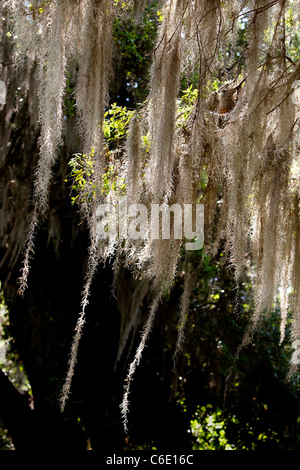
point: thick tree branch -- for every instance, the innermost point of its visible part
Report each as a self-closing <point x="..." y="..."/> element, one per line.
<point x="16" y="414"/>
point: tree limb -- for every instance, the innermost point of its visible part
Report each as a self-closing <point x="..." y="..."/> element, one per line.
<point x="16" y="414"/>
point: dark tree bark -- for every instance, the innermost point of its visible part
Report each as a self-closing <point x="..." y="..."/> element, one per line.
<point x="31" y="430"/>
<point x="16" y="414"/>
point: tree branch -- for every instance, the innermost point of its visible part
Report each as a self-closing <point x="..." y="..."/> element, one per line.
<point x="16" y="414"/>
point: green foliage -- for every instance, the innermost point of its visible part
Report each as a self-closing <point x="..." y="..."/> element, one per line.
<point x="215" y="430"/>
<point x="115" y="130"/>
<point x="209" y="429"/>
<point x="135" y="42"/>
<point x="111" y="181"/>
<point x="292" y="36"/>
<point x="82" y="168"/>
<point x="10" y="362"/>
<point x="185" y="105"/>
<point x="37" y="8"/>
<point x="252" y="416"/>
<point x="11" y="365"/>
<point x="5" y="440"/>
<point x="115" y="126"/>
